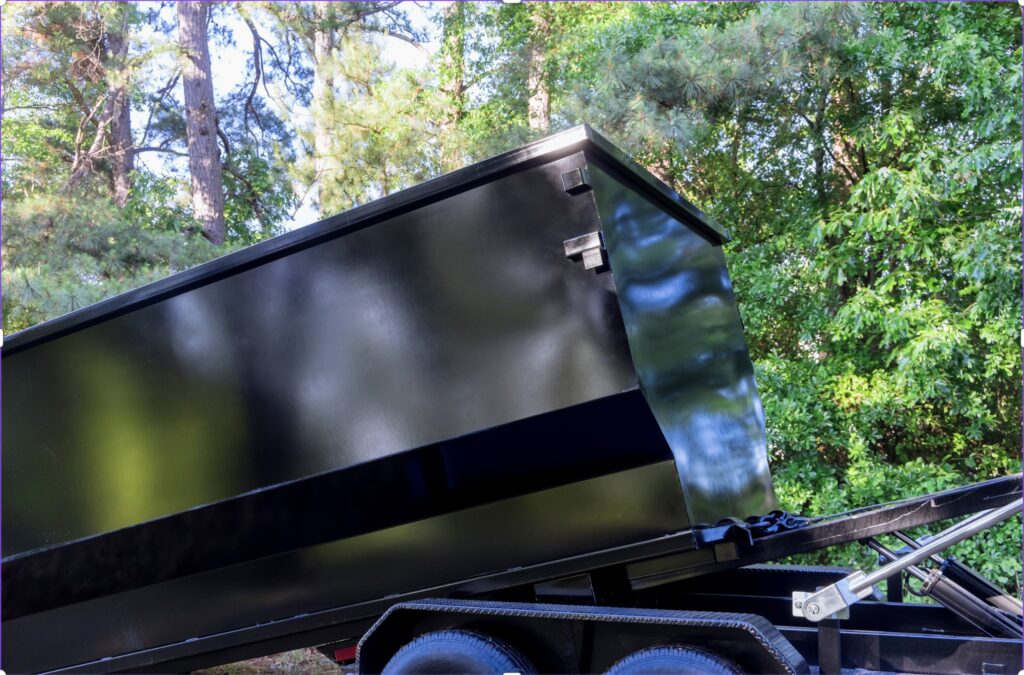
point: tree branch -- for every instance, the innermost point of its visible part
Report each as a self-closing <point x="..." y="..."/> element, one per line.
<point x="159" y="101"/>
<point x="285" y="69"/>
<point x="389" y="32"/>
<point x="167" y="151"/>
<point x="842" y="165"/>
<point x="223" y="139"/>
<point x="257" y="64"/>
<point x="76" y="94"/>
<point x="80" y="160"/>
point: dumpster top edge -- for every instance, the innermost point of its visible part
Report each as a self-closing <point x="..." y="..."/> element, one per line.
<point x="579" y="138"/>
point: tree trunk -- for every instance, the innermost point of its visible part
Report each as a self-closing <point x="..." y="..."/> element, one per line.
<point x="201" y="120"/>
<point x="453" y="82"/>
<point x="113" y="135"/>
<point x="83" y="163"/>
<point x="122" y="152"/>
<point x="324" y="41"/>
<point x="820" y="139"/>
<point x="539" y="103"/>
<point x="850" y="157"/>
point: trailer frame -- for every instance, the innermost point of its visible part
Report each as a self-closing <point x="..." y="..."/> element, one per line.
<point x="652" y="571"/>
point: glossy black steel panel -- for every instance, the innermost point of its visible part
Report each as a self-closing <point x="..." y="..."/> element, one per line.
<point x="579" y="442"/>
<point x="690" y="354"/>
<point x="461" y="315"/>
<point x="604" y="512"/>
<point x="325" y="626"/>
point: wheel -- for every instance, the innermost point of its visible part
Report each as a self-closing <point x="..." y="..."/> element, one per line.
<point x="673" y="659"/>
<point x="447" y="652"/>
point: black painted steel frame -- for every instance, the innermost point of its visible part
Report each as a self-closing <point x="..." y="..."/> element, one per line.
<point x="733" y="551"/>
<point x="878" y="636"/>
<point x="589" y="638"/>
<point x="890" y="629"/>
<point x="563" y="638"/>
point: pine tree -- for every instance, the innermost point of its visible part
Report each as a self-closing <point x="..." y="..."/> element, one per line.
<point x="201" y="120"/>
<point x="363" y="111"/>
<point x="538" y="102"/>
<point x="122" y="148"/>
<point x="452" y="84"/>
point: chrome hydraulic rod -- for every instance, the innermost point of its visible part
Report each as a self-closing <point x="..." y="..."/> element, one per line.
<point x="840" y="595"/>
<point x="915" y="544"/>
<point x="968" y="528"/>
<point x="914" y="570"/>
<point x="955" y="526"/>
<point x="981" y="587"/>
<point x="961" y="601"/>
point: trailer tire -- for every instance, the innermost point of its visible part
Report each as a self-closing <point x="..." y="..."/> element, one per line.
<point x="673" y="659"/>
<point x="456" y="651"/>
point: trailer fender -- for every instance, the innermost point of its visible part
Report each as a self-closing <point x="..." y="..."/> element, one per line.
<point x="553" y="636"/>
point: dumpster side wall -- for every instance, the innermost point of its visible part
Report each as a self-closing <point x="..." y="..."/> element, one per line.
<point x="438" y="322"/>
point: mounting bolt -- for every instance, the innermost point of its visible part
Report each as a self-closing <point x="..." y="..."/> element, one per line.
<point x="813" y="609"/>
<point x="798" y="604"/>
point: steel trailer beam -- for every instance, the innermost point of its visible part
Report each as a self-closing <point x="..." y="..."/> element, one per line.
<point x="732" y="551"/>
<point x="668" y="554"/>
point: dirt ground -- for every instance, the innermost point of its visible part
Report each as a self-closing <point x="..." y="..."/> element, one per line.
<point x="299" y="661"/>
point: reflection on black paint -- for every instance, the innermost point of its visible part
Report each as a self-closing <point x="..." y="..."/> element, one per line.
<point x="691" y="357"/>
<point x="439" y="322"/>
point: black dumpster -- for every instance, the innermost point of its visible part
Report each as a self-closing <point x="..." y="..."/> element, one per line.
<point x="530" y="359"/>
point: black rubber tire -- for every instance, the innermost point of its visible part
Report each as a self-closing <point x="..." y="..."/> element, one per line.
<point x="456" y="652"/>
<point x="673" y="659"/>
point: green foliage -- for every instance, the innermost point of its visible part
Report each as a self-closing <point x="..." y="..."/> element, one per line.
<point x="867" y="161"/>
<point x="61" y="255"/>
<point x="498" y="42"/>
<point x="382" y="122"/>
<point x="258" y="196"/>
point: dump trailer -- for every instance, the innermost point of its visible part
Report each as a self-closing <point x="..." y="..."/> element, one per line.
<point x="505" y="420"/>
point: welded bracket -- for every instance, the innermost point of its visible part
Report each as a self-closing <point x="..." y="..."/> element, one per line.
<point x="576" y="181"/>
<point x="831" y="602"/>
<point x="589" y="248"/>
